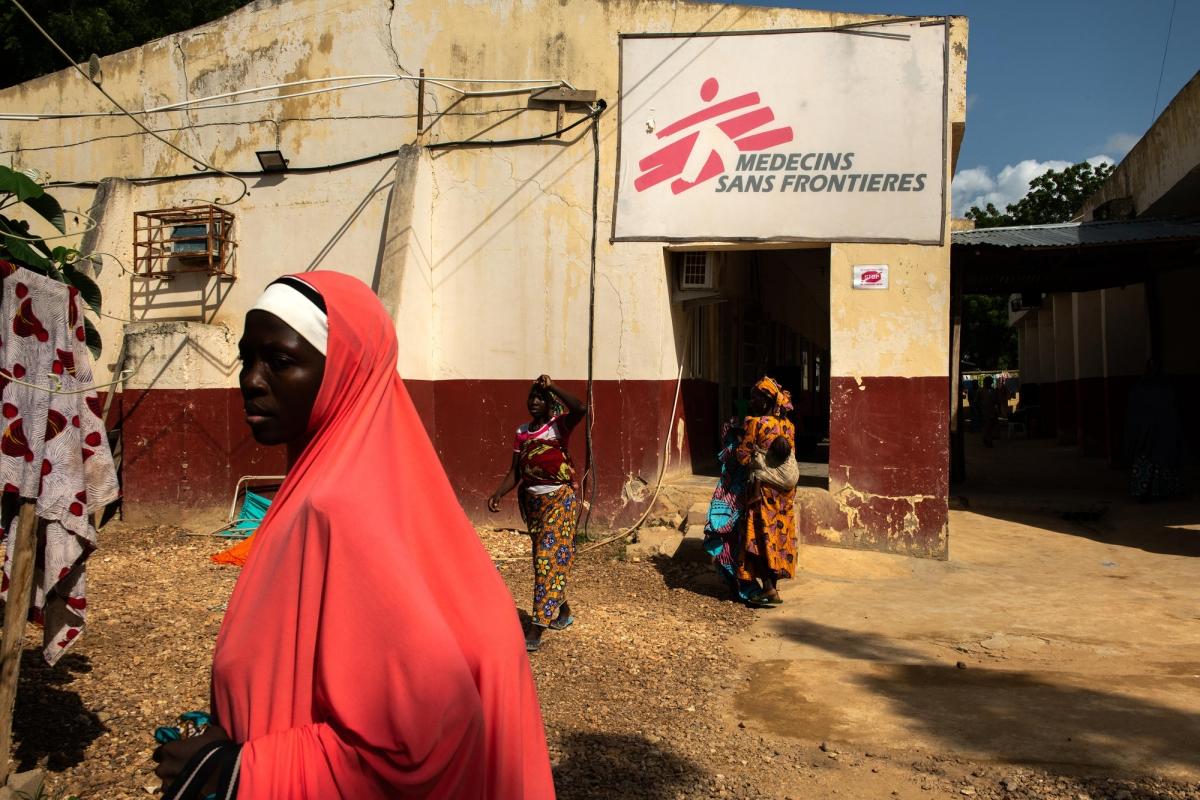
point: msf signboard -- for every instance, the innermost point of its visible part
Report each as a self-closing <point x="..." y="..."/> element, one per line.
<point x="813" y="135"/>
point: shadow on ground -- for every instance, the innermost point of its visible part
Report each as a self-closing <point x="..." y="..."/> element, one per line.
<point x="695" y="577"/>
<point x="1054" y="487"/>
<point x="1007" y="715"/>
<point x="50" y="722"/>
<point x="606" y="765"/>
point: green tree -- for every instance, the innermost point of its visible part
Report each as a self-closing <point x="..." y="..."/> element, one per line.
<point x="987" y="340"/>
<point x="84" y="27"/>
<point x="1054" y="196"/>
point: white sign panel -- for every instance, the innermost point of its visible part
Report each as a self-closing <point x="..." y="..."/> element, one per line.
<point x="821" y="135"/>
<point x="871" y="276"/>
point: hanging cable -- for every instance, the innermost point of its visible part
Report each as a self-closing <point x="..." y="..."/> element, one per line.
<point x="594" y="114"/>
<point x="1162" y="67"/>
<point x="135" y="120"/>
<point x="205" y="104"/>
<point x="590" y="473"/>
<point x="354" y="162"/>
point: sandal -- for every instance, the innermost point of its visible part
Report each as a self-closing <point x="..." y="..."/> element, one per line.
<point x="560" y="624"/>
<point x="532" y="646"/>
<point x="760" y="600"/>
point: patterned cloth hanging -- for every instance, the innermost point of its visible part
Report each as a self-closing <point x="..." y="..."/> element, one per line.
<point x="54" y="448"/>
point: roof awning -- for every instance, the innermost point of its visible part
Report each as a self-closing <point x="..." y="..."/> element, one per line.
<point x="1072" y="256"/>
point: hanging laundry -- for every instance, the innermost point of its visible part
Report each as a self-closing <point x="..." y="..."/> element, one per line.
<point x="54" y="448"/>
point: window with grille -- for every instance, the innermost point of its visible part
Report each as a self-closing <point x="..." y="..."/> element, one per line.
<point x="695" y="271"/>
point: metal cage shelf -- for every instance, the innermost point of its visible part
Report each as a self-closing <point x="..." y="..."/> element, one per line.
<point x="171" y="241"/>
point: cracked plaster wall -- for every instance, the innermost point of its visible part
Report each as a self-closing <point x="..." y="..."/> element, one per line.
<point x="492" y="275"/>
<point x="511" y="226"/>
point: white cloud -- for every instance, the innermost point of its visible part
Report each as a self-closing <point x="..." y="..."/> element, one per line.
<point x="1119" y="144"/>
<point x="978" y="187"/>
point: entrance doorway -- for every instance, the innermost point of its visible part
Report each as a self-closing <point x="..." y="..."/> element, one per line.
<point x="762" y="312"/>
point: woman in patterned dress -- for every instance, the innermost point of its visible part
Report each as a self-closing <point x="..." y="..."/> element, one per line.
<point x="769" y="539"/>
<point x="723" y="528"/>
<point x="547" y="499"/>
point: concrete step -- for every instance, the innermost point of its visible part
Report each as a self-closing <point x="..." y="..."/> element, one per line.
<point x="692" y="546"/>
<point x="697" y="514"/>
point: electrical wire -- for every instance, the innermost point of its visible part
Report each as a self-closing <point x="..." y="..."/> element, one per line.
<point x="662" y="469"/>
<point x="1162" y="67"/>
<point x="354" y="162"/>
<point x="204" y="104"/>
<point x="134" y="119"/>
<point x="590" y="474"/>
<point x="73" y="211"/>
<point x="596" y="111"/>
<point x="56" y="381"/>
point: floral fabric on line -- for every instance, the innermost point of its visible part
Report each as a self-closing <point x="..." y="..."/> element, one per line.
<point x="54" y="448"/>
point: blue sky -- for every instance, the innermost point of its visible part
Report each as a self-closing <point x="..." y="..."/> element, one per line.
<point x="1054" y="82"/>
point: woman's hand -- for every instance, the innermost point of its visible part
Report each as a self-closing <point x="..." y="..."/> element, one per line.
<point x="544" y="382"/>
<point x="494" y="503"/>
<point x="174" y="756"/>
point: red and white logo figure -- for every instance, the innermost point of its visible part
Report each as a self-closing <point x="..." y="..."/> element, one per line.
<point x="719" y="142"/>
<point x="871" y="276"/>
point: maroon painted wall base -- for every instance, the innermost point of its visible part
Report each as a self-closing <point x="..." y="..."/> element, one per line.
<point x="888" y="468"/>
<point x="184" y="450"/>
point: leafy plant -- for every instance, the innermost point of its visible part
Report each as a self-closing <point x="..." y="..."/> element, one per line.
<point x="1053" y="196"/>
<point x="17" y="244"/>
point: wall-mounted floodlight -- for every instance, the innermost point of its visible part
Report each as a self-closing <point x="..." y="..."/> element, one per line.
<point x="271" y="160"/>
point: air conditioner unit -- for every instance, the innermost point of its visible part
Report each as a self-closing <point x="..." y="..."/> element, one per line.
<point x="696" y="271"/>
<point x="1026" y="301"/>
<point x="196" y="241"/>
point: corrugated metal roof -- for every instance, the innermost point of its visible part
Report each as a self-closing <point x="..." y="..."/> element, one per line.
<point x="1080" y="234"/>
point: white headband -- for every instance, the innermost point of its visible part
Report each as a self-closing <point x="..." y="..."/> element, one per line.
<point x="297" y="310"/>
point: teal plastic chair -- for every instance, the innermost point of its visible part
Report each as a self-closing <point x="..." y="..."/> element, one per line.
<point x="254" y="508"/>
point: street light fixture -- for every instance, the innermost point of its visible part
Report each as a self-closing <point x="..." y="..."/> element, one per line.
<point x="272" y="161"/>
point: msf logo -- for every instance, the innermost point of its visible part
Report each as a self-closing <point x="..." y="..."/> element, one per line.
<point x="708" y="139"/>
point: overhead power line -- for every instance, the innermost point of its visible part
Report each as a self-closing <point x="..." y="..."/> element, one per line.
<point x="1162" y="67"/>
<point x="121" y="108"/>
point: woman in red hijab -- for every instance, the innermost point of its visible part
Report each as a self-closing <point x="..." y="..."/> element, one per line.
<point x="352" y="663"/>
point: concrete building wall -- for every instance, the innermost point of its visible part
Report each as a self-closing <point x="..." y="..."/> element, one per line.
<point x="1090" y="422"/>
<point x="1027" y="355"/>
<point x="1047" y="420"/>
<point x="1125" y="336"/>
<point x="1180" y="358"/>
<point x="889" y="402"/>
<point x="482" y="252"/>
<point x="1065" y="411"/>
<point x="1160" y="176"/>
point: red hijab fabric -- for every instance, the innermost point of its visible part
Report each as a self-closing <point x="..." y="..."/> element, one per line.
<point x="370" y="650"/>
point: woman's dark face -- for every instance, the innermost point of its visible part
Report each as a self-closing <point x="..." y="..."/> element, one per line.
<point x="537" y="405"/>
<point x="281" y="375"/>
<point x="759" y="403"/>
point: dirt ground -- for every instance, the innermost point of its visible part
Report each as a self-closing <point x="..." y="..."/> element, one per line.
<point x="1054" y="656"/>
<point x="662" y="689"/>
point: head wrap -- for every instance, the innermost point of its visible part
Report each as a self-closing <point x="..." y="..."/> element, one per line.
<point x="781" y="400"/>
<point x="300" y="306"/>
<point x="554" y="406"/>
<point x="430" y="693"/>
